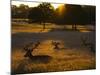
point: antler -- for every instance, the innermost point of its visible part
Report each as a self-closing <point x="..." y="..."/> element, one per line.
<point x="28" y="47"/>
<point x="31" y="47"/>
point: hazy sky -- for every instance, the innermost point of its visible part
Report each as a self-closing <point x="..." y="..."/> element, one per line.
<point x="31" y="4"/>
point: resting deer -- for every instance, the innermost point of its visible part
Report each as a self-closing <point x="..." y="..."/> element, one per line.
<point x="56" y="44"/>
<point x="37" y="58"/>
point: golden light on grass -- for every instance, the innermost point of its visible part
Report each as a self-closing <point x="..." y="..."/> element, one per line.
<point x="62" y="61"/>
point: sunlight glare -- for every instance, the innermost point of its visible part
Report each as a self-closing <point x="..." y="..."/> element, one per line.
<point x="61" y="9"/>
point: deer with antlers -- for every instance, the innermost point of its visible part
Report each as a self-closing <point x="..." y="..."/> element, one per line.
<point x="56" y="44"/>
<point x="36" y="58"/>
<point x="88" y="44"/>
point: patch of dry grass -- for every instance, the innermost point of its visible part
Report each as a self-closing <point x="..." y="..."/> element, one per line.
<point x="69" y="57"/>
<point x="65" y="60"/>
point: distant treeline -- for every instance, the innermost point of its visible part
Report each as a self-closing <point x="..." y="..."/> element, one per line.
<point x="65" y="14"/>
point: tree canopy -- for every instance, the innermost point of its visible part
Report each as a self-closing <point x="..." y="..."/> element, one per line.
<point x="42" y="13"/>
<point x="20" y="12"/>
<point x="71" y="14"/>
<point x="64" y="14"/>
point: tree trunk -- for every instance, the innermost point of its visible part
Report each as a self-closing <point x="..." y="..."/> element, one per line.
<point x="72" y="27"/>
<point x="75" y="27"/>
<point x="43" y="25"/>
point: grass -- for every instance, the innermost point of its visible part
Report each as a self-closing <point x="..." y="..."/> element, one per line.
<point x="71" y="55"/>
<point x="65" y="60"/>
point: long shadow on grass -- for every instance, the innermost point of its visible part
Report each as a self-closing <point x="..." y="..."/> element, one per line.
<point x="71" y="38"/>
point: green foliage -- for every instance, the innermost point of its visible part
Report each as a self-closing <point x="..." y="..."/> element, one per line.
<point x="20" y="12"/>
<point x="65" y="14"/>
<point x="42" y="13"/>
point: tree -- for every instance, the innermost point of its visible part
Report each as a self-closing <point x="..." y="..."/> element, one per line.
<point x="42" y="13"/>
<point x="47" y="11"/>
<point x="20" y="12"/>
<point x="14" y="11"/>
<point x="34" y="14"/>
<point x="90" y="14"/>
<point x="23" y="11"/>
<point x="71" y="14"/>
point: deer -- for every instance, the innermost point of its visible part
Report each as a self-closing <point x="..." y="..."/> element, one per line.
<point x="36" y="58"/>
<point x="88" y="44"/>
<point x="56" y="44"/>
<point x="36" y="44"/>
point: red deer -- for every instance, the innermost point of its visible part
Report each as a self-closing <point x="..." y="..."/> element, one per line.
<point x="37" y="58"/>
<point x="56" y="44"/>
<point x="88" y="44"/>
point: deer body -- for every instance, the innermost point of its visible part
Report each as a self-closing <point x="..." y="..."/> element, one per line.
<point x="38" y="58"/>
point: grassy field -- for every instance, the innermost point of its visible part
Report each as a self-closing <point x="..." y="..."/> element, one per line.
<point x="71" y="55"/>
